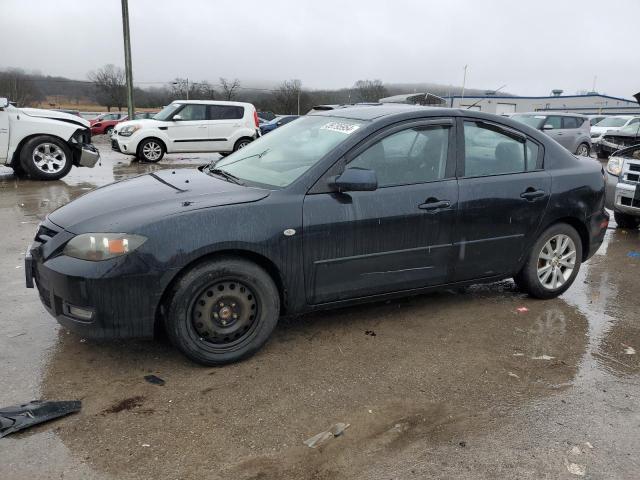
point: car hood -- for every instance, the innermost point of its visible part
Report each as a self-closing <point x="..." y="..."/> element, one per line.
<point x="148" y="122"/>
<point x="125" y="206"/>
<point x="602" y="130"/>
<point x="53" y="115"/>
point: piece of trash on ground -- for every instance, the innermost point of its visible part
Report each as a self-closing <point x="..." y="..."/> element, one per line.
<point x="576" y="469"/>
<point x="588" y="445"/>
<point x="628" y="349"/>
<point x="518" y="354"/>
<point x="511" y="374"/>
<point x="335" y="431"/>
<point x="633" y="254"/>
<point x="19" y="417"/>
<point x="371" y="333"/>
<point x="543" y="357"/>
<point x="522" y="309"/>
<point x="154" y="380"/>
<point x="575" y="450"/>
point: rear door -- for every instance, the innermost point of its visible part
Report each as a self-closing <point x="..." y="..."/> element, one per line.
<point x="4" y="135"/>
<point x="189" y="132"/>
<point x="572" y="132"/>
<point x="224" y="121"/>
<point x="397" y="237"/>
<point x="504" y="191"/>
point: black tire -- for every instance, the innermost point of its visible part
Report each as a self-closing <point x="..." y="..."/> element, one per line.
<point x="150" y="150"/>
<point x="230" y="288"/>
<point x="527" y="279"/>
<point x="583" y="150"/>
<point x="46" y="158"/>
<point x="243" y="142"/>
<point x="602" y="155"/>
<point x="624" y="220"/>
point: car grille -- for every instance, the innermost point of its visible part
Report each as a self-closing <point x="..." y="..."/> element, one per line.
<point x="44" y="234"/>
<point x="631" y="171"/>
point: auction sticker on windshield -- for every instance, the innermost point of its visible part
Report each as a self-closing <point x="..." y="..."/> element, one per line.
<point x="341" y="127"/>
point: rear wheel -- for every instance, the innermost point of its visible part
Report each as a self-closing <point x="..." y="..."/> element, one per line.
<point x="46" y="158"/>
<point x="243" y="142"/>
<point x="624" y="220"/>
<point x="553" y="263"/>
<point x="150" y="150"/>
<point x="583" y="150"/>
<point x="222" y="311"/>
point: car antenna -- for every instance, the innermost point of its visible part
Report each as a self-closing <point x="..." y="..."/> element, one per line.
<point x="495" y="91"/>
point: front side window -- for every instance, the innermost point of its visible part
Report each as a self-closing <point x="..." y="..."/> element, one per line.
<point x="167" y="112"/>
<point x="555" y="122"/>
<point x="193" y="111"/>
<point x="415" y="155"/>
<point x="489" y="151"/>
<point x="535" y="121"/>
<point x="278" y="159"/>
<point x="225" y="112"/>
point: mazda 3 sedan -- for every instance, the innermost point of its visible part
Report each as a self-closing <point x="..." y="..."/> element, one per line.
<point x="339" y="207"/>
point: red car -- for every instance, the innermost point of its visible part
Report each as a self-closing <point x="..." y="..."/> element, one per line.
<point x="104" y="123"/>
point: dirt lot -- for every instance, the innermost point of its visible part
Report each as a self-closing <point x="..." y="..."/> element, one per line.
<point x="449" y="385"/>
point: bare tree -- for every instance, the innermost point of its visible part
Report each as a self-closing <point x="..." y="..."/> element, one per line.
<point x="369" y="90"/>
<point x="229" y="88"/>
<point x="19" y="87"/>
<point x="110" y="86"/>
<point x="287" y="95"/>
<point x="196" y="90"/>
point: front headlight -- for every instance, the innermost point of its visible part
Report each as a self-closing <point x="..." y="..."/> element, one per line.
<point x="614" y="166"/>
<point x="102" y="246"/>
<point x="129" y="130"/>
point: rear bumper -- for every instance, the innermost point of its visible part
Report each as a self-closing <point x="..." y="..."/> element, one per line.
<point x="121" y="305"/>
<point x="597" y="224"/>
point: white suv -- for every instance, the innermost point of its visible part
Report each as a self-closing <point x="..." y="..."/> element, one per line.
<point x="188" y="126"/>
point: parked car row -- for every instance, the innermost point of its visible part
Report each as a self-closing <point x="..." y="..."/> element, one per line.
<point x="570" y="130"/>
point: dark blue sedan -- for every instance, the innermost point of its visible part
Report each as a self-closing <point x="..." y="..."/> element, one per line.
<point x="276" y="122"/>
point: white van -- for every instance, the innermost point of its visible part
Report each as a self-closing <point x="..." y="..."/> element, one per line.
<point x="189" y="126"/>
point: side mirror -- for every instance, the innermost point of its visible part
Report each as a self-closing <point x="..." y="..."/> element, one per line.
<point x="4" y="102"/>
<point x="354" y="180"/>
<point x="279" y="124"/>
<point x="547" y="126"/>
<point x="177" y="118"/>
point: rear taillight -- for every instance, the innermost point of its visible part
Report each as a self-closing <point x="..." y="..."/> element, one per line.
<point x="255" y="119"/>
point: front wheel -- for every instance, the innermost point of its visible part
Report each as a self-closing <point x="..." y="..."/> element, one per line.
<point x="583" y="150"/>
<point x="553" y="263"/>
<point x="108" y="131"/>
<point x="222" y="311"/>
<point x="151" y="150"/>
<point x="624" y="220"/>
<point x="46" y="158"/>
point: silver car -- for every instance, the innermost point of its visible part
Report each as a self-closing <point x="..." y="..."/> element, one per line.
<point x="571" y="130"/>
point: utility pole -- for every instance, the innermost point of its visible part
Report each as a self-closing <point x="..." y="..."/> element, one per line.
<point x="464" y="82"/>
<point x="127" y="58"/>
<point x="187" y="88"/>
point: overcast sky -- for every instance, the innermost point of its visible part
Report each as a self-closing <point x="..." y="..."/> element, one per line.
<point x="532" y="46"/>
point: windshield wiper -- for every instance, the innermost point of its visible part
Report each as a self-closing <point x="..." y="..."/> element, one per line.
<point x="259" y="155"/>
<point x="226" y="175"/>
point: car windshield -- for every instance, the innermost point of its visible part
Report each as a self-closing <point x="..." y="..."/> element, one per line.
<point x="534" y="121"/>
<point x="612" y="122"/>
<point x="167" y="112"/>
<point x="278" y="159"/>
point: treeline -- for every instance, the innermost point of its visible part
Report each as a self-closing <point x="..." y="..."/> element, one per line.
<point x="106" y="87"/>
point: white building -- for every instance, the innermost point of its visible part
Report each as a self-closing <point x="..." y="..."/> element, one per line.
<point x="589" y="104"/>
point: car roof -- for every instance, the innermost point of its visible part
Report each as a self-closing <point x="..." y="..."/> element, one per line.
<point x="215" y="102"/>
<point x="558" y="114"/>
<point x="382" y="110"/>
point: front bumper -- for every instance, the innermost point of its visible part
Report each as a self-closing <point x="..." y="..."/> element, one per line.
<point x="122" y="301"/>
<point x="622" y="197"/>
<point x="89" y="155"/>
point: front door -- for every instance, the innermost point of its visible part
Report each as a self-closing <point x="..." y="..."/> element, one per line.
<point x="397" y="237"/>
<point x="188" y="130"/>
<point x="4" y="135"/>
<point x="504" y="191"/>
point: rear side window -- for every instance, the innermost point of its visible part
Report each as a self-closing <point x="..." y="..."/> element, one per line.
<point x="415" y="155"/>
<point x="225" y="112"/>
<point x="489" y="151"/>
<point x="571" y="122"/>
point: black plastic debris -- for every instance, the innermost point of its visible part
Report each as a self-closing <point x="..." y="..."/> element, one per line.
<point x="19" y="417"/>
<point x="371" y="333"/>
<point x="154" y="380"/>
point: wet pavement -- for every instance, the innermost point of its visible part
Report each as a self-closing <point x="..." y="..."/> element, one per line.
<point x="448" y="385"/>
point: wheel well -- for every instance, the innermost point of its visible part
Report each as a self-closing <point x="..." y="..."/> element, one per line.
<point x="15" y="158"/>
<point x="243" y="138"/>
<point x="164" y="145"/>
<point x="256" y="258"/>
<point x="581" y="228"/>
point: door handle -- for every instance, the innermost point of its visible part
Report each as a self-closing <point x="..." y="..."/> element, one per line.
<point x="202" y="126"/>
<point x="531" y="194"/>
<point x="432" y="204"/>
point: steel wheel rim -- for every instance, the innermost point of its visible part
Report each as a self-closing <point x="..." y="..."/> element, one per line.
<point x="49" y="158"/>
<point x="583" y="150"/>
<point x="556" y="261"/>
<point x="243" y="144"/>
<point x="151" y="151"/>
<point x="224" y="314"/>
